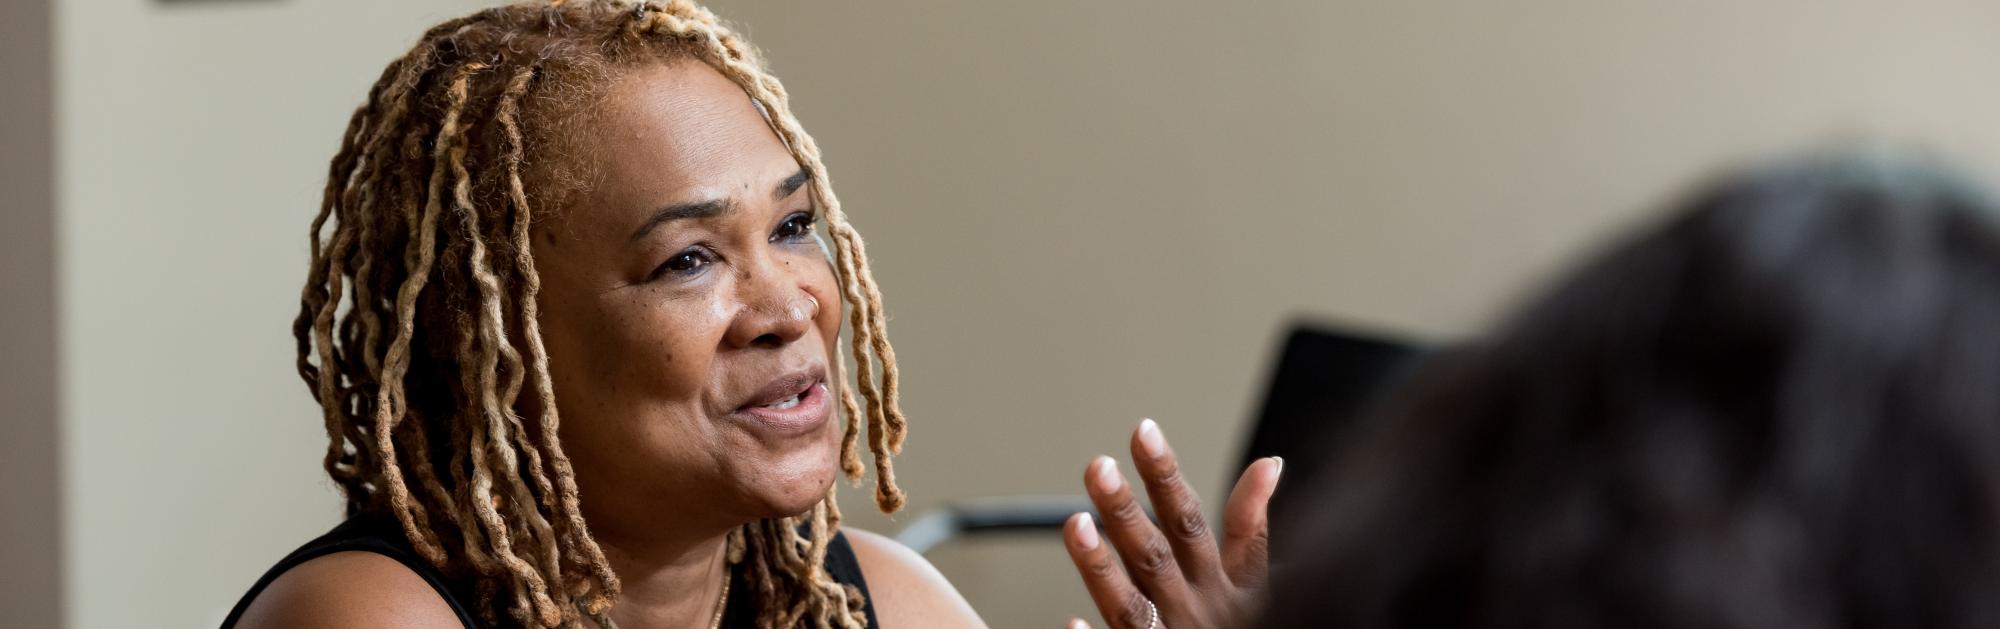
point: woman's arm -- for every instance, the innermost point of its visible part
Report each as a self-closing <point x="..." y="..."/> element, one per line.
<point x="907" y="590"/>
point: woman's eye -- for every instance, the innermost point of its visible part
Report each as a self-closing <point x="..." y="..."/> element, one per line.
<point x="687" y="262"/>
<point x="796" y="227"/>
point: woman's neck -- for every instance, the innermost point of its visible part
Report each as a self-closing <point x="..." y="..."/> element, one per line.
<point x="667" y="582"/>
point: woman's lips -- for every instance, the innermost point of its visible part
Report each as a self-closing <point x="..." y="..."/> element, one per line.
<point x="811" y="409"/>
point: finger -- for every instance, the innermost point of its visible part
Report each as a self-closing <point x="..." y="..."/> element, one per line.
<point x="1246" y="524"/>
<point x="1121" y="604"/>
<point x="1176" y="505"/>
<point x="1077" y="623"/>
<point x="1148" y="558"/>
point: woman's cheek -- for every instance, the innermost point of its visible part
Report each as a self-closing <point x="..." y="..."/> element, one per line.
<point x="688" y="335"/>
<point x="648" y="349"/>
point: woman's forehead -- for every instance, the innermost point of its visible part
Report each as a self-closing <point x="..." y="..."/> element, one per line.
<point x="674" y="133"/>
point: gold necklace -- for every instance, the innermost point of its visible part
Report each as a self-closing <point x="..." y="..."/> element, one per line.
<point x="722" y="602"/>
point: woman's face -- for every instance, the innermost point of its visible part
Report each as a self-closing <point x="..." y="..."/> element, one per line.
<point x="689" y="312"/>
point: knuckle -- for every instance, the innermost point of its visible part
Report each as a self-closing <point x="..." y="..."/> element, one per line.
<point x="1261" y="540"/>
<point x="1134" y="612"/>
<point x="1249" y="534"/>
<point x="1129" y="512"/>
<point x="1102" y="569"/>
<point x="1252" y="581"/>
<point x="1176" y="489"/>
<point x="1180" y="489"/>
<point x="1258" y="543"/>
<point x="1255" y="549"/>
<point x="1188" y="525"/>
<point x="1154" y="556"/>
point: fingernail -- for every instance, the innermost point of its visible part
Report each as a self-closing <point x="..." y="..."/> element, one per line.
<point x="1280" y="469"/>
<point x="1151" y="440"/>
<point x="1086" y="532"/>
<point x="1077" y="624"/>
<point x="1108" y="478"/>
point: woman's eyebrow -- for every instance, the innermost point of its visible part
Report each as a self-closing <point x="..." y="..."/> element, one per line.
<point x="790" y="185"/>
<point x="710" y="208"/>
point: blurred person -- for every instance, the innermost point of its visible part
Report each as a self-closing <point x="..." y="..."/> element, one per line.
<point x="1780" y="408"/>
<point x="571" y="317"/>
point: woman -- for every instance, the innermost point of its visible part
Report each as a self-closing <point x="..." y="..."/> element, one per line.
<point x="1781" y="408"/>
<point x="573" y="330"/>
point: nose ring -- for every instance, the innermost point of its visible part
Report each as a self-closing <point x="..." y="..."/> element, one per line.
<point x="811" y="310"/>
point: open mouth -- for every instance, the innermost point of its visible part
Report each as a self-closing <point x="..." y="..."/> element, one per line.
<point x="790" y="402"/>
<point x="786" y="391"/>
<point x="793" y="403"/>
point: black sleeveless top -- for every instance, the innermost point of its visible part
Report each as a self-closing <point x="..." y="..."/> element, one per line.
<point x="381" y="535"/>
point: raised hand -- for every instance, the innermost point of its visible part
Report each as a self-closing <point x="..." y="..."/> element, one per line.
<point x="1182" y="577"/>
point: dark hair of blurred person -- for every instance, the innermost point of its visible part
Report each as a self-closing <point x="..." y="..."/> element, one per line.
<point x="1780" y="408"/>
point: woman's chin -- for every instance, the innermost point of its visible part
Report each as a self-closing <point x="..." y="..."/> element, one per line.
<point x="786" y="502"/>
<point x="792" y="487"/>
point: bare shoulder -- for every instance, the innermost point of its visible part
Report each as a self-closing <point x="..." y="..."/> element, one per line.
<point x="349" y="589"/>
<point x="908" y="591"/>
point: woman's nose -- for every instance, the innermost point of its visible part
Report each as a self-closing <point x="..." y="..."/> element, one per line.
<point x="776" y="311"/>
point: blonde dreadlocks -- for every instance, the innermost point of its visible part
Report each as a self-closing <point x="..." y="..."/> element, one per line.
<point x="417" y="329"/>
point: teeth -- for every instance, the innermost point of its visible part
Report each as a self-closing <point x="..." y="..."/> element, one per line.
<point x="787" y="402"/>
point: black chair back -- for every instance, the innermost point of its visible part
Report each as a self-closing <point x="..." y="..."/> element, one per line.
<point x="1325" y="380"/>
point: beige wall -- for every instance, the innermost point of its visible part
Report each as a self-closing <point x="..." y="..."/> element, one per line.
<point x="1082" y="213"/>
<point x="195" y="137"/>
<point x="29" y="521"/>
<point x="1087" y="212"/>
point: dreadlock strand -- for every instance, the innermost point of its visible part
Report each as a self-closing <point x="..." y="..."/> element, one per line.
<point x="426" y="472"/>
<point x="546" y="533"/>
<point x="366" y="341"/>
<point x="369" y="340"/>
<point x="574" y="536"/>
<point x="331" y="394"/>
<point x="784" y="537"/>
<point x="314" y="293"/>
<point x="759" y="566"/>
<point x="468" y="469"/>
<point x="834" y="610"/>
<point x="881" y="438"/>
<point x="859" y="346"/>
<point x="894" y="423"/>
<point x="492" y="345"/>
<point x="850" y="456"/>
<point x="390" y="395"/>
<point x="507" y="114"/>
<point x="888" y="497"/>
<point x="816" y="537"/>
<point x="531" y="600"/>
<point x="348" y="175"/>
<point x="390" y="404"/>
<point x="316" y="302"/>
<point x="397" y="86"/>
